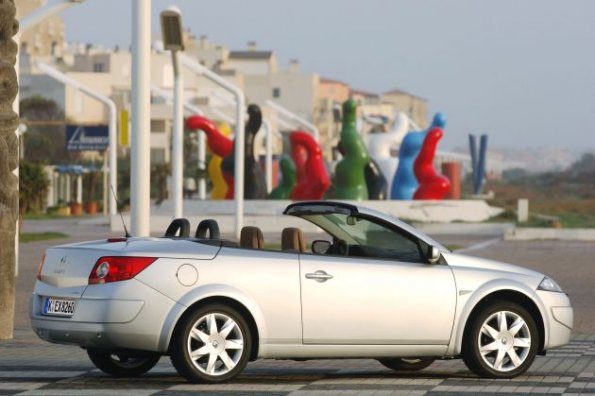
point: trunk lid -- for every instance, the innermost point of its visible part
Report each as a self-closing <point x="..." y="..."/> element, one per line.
<point x="69" y="266"/>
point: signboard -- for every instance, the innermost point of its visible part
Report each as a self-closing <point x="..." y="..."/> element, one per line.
<point x="124" y="130"/>
<point x="87" y="138"/>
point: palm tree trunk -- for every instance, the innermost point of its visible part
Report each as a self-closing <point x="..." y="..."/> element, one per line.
<point x="9" y="162"/>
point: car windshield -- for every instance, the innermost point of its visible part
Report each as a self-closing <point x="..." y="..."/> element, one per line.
<point x="367" y="237"/>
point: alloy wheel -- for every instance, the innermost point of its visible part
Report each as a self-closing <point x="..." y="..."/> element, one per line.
<point x="215" y="344"/>
<point x="504" y="341"/>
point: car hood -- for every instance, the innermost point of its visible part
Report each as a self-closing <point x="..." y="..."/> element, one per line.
<point x="462" y="261"/>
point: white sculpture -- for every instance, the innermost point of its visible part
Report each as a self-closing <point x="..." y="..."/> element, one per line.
<point x="381" y="144"/>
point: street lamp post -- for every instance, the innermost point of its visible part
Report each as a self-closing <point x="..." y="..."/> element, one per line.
<point x="171" y="32"/>
<point x="140" y="153"/>
<point x="239" y="135"/>
<point x="292" y="116"/>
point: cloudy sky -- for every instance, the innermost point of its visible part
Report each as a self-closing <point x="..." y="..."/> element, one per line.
<point x="521" y="71"/>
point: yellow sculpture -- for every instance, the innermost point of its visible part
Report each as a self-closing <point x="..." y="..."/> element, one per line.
<point x="215" y="173"/>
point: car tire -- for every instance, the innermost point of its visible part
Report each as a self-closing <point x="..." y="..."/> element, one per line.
<point x="210" y="345"/>
<point x="120" y="364"/>
<point x="406" y="364"/>
<point x="500" y="341"/>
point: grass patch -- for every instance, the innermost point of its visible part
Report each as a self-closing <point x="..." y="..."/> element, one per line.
<point x="26" y="237"/>
<point x="43" y="216"/>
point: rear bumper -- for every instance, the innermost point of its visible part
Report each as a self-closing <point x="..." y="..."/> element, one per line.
<point x="113" y="323"/>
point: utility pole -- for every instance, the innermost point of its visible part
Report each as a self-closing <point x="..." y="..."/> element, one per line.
<point x="9" y="163"/>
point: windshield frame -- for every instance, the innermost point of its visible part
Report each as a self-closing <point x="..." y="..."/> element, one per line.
<point x="299" y="209"/>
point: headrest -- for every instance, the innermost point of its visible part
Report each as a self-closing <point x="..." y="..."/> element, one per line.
<point x="293" y="239"/>
<point x="251" y="238"/>
<point x="178" y="228"/>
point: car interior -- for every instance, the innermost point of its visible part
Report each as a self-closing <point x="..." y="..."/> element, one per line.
<point x="375" y="243"/>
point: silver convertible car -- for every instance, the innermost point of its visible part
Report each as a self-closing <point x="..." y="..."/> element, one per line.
<point x="373" y="287"/>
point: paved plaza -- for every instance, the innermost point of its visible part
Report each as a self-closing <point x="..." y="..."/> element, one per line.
<point x="29" y="366"/>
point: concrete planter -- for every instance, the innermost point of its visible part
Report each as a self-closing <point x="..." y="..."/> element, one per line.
<point x="91" y="207"/>
<point x="76" y="209"/>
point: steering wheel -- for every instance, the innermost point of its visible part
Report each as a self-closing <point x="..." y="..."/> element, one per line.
<point x="209" y="225"/>
<point x="339" y="248"/>
<point x="178" y="225"/>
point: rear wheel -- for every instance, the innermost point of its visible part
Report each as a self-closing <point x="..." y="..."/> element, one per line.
<point x="211" y="345"/>
<point x="120" y="364"/>
<point x="406" y="364"/>
<point x="501" y="341"/>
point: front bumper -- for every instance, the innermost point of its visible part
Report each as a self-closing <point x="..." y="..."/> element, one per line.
<point x="558" y="320"/>
<point x="109" y="323"/>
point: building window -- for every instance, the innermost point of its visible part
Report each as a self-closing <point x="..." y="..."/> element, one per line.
<point x="98" y="67"/>
<point x="276" y="92"/>
<point x="158" y="126"/>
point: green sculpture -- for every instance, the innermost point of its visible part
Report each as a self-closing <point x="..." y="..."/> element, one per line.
<point x="350" y="180"/>
<point x="288" y="180"/>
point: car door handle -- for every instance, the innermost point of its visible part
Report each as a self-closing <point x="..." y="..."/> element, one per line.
<point x="319" y="276"/>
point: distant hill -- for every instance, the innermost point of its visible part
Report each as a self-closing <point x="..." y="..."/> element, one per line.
<point x="536" y="160"/>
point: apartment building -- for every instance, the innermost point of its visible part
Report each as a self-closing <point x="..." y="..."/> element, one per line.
<point x="45" y="39"/>
<point x="412" y="105"/>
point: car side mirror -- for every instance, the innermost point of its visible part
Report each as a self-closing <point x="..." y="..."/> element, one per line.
<point x="320" y="246"/>
<point x="433" y="254"/>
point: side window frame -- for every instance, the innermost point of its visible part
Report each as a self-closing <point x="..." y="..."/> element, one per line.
<point x="418" y="242"/>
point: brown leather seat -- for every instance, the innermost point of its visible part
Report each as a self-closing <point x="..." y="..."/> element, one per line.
<point x="292" y="239"/>
<point x="251" y="238"/>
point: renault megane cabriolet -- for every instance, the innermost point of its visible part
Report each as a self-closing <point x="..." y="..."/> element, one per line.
<point x="373" y="287"/>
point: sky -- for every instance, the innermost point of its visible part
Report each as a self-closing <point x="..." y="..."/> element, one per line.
<point x="521" y="71"/>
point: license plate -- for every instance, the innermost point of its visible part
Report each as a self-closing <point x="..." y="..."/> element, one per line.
<point x="58" y="307"/>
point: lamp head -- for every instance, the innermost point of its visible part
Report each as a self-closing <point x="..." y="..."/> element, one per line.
<point x="171" y="29"/>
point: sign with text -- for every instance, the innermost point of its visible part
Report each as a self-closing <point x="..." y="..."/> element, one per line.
<point x="87" y="138"/>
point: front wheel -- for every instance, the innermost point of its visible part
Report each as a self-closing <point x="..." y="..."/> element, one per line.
<point x="123" y="364"/>
<point x="501" y="341"/>
<point x="212" y="344"/>
<point x="406" y="364"/>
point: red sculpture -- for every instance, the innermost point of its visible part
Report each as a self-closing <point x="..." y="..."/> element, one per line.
<point x="218" y="143"/>
<point x="431" y="184"/>
<point x="312" y="177"/>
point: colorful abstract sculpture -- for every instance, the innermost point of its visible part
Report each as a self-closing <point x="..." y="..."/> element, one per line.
<point x="215" y="173"/>
<point x="405" y="183"/>
<point x="375" y="181"/>
<point x="312" y="177"/>
<point x="220" y="145"/>
<point x="380" y="145"/>
<point x="254" y="181"/>
<point x="350" y="181"/>
<point x="288" y="179"/>
<point x="431" y="184"/>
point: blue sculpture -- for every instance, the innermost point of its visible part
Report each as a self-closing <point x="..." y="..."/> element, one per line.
<point x="404" y="183"/>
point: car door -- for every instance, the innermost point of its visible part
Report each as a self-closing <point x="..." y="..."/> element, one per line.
<point x="350" y="299"/>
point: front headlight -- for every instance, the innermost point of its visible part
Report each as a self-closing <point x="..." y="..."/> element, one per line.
<point x="548" y="284"/>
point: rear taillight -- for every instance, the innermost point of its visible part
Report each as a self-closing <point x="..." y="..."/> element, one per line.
<point x="40" y="267"/>
<point x="115" y="269"/>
